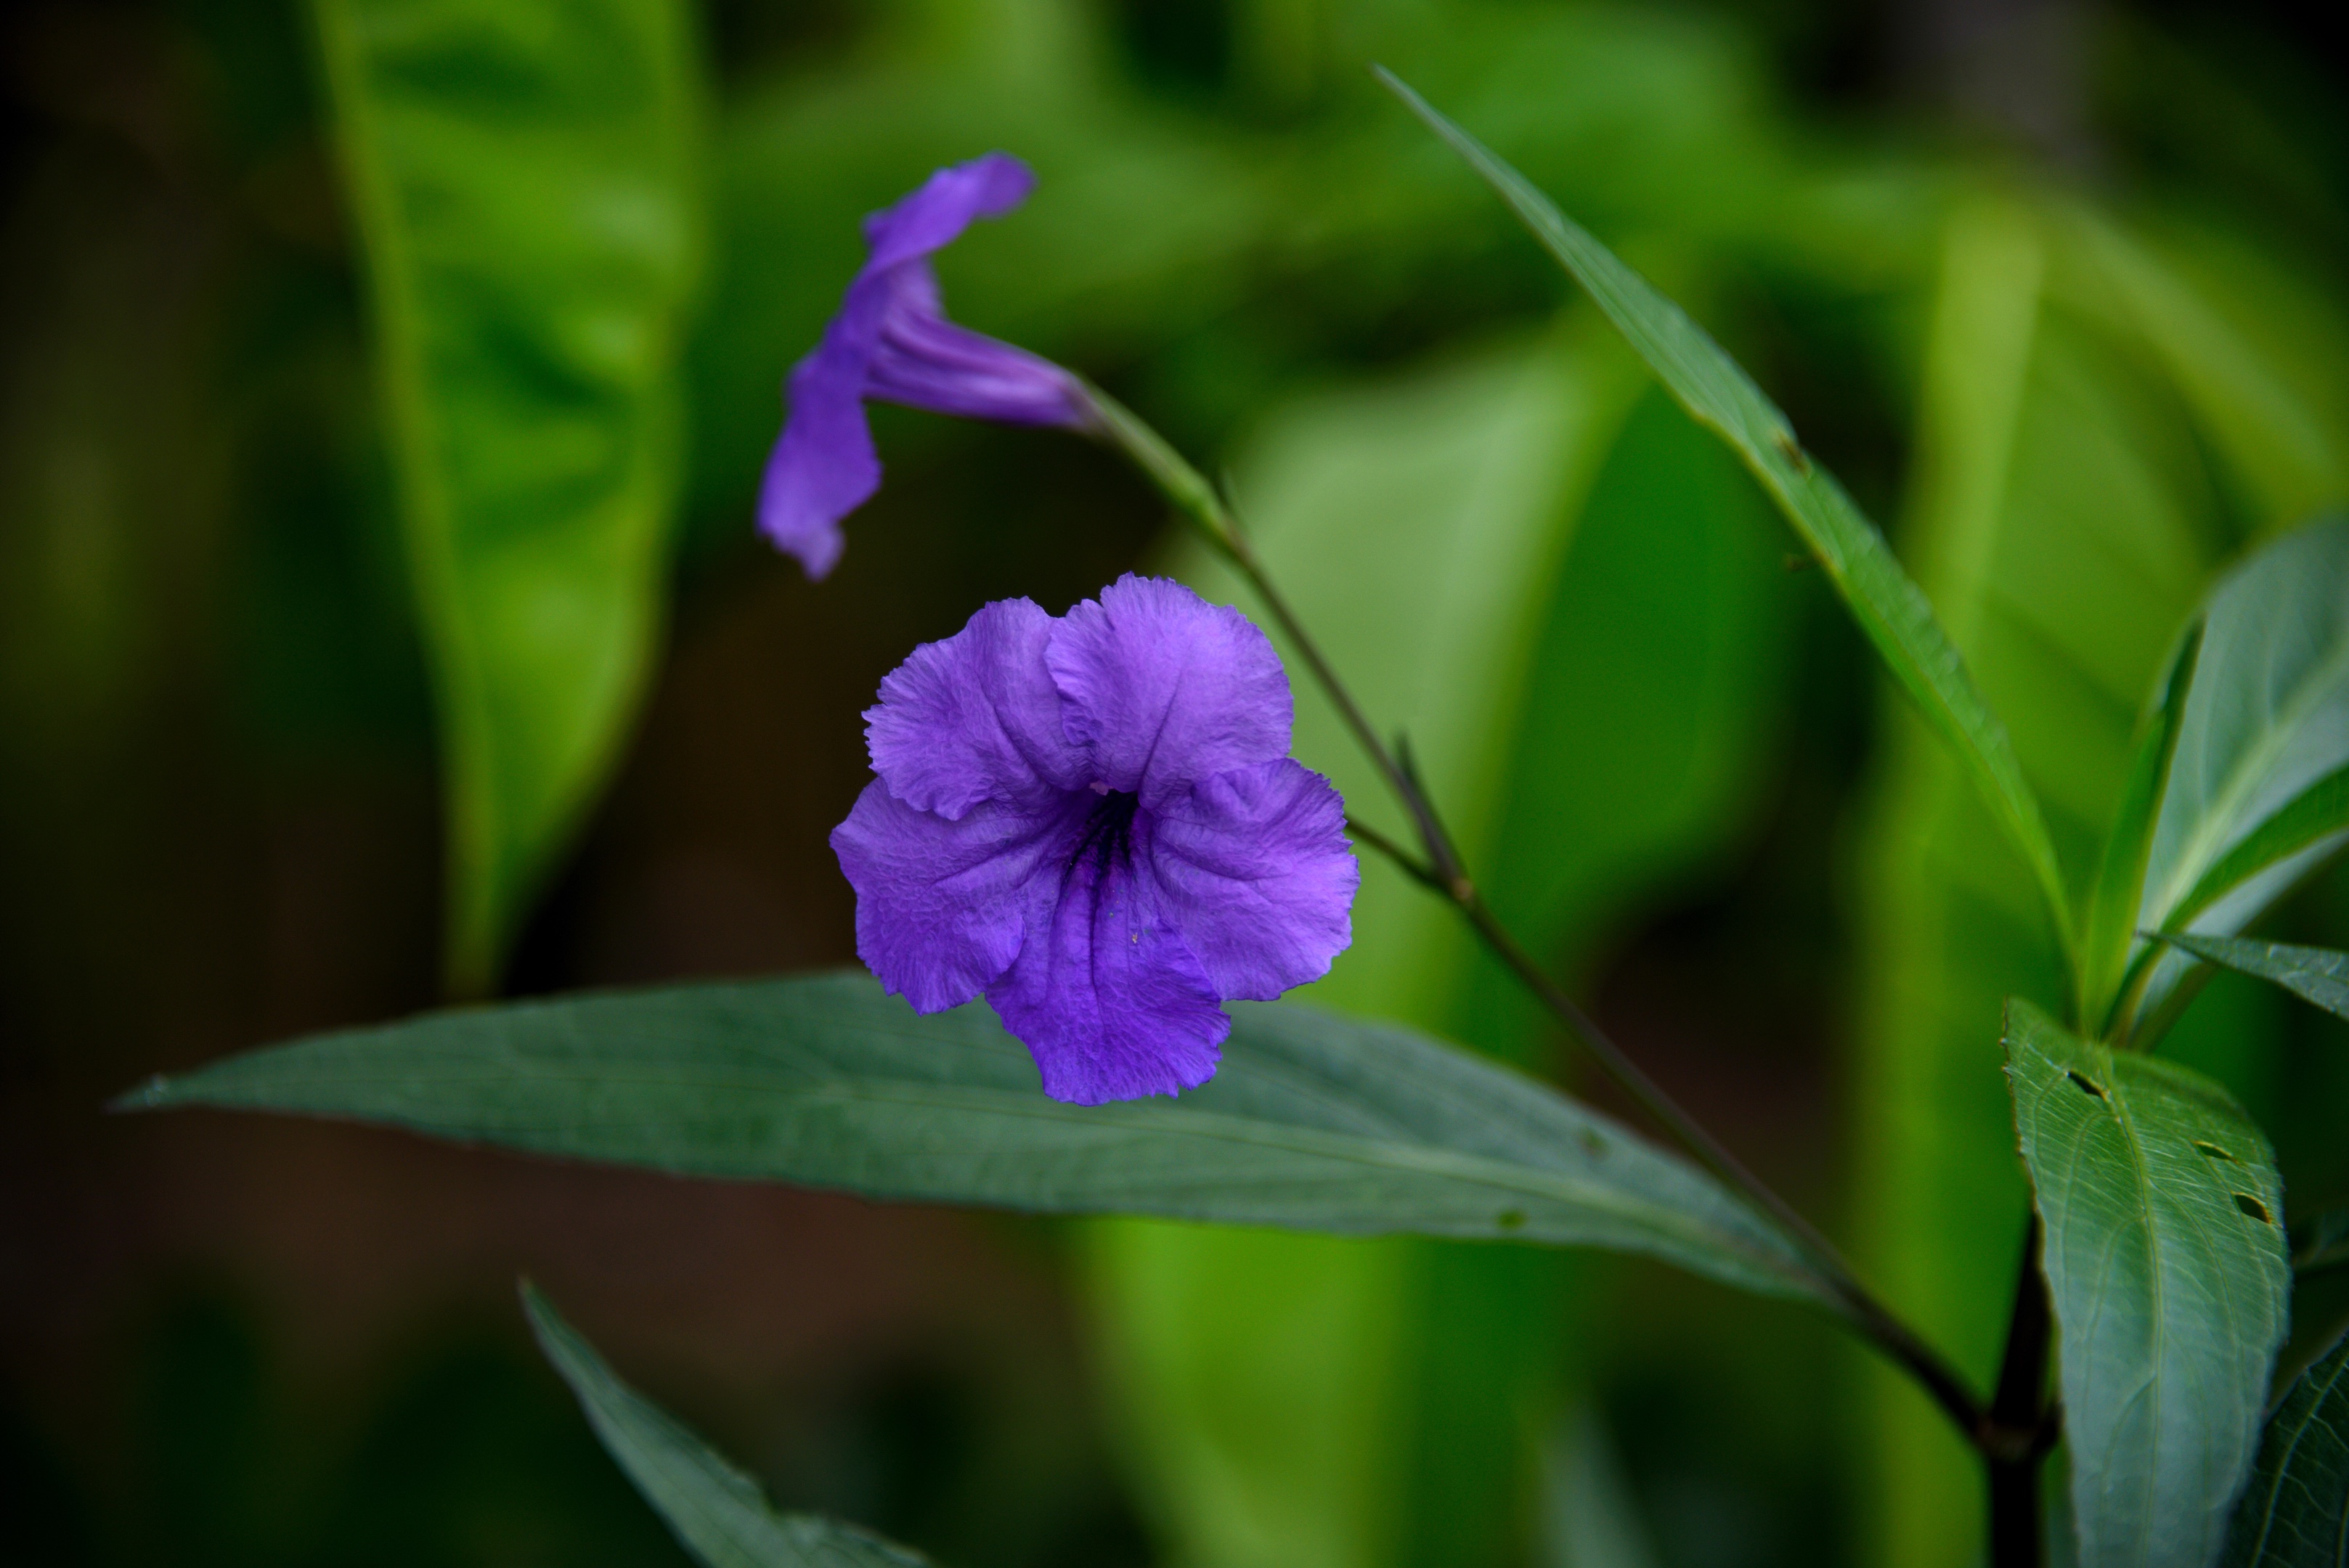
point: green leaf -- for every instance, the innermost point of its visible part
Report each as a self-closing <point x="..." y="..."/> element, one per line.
<point x="2051" y="521"/>
<point x="1314" y="1123"/>
<point x="2256" y="351"/>
<point x="2262" y="743"/>
<point x="1719" y="394"/>
<point x="716" y="1512"/>
<point x="2165" y="1259"/>
<point x="2320" y="813"/>
<point x="522" y="179"/>
<point x="2316" y="974"/>
<point x="2112" y="923"/>
<point x="1590" y="1514"/>
<point x="2295" y="1511"/>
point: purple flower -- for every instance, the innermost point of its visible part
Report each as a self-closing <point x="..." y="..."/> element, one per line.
<point x="893" y="341"/>
<point x="1093" y="819"/>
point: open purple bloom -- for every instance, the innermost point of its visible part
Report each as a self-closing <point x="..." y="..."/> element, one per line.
<point x="893" y="341"/>
<point x="1093" y="819"/>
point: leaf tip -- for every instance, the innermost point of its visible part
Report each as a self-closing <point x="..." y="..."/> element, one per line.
<point x="546" y="1324"/>
<point x="155" y="1094"/>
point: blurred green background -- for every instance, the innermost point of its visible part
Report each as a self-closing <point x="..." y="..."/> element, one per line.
<point x="386" y="387"/>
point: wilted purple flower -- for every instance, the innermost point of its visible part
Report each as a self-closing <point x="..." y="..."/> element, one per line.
<point x="1093" y="819"/>
<point x="893" y="341"/>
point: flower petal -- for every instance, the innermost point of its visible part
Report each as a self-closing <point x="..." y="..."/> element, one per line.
<point x="924" y="361"/>
<point x="1106" y="995"/>
<point x="943" y="206"/>
<point x="1254" y="868"/>
<point x="1167" y="689"/>
<point x="941" y="905"/>
<point x="823" y="466"/>
<point x="975" y="718"/>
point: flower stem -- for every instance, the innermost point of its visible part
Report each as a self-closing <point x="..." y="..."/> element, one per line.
<point x="1439" y="869"/>
<point x="2023" y="1425"/>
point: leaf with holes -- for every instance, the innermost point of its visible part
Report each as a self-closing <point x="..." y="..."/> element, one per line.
<point x="2258" y="785"/>
<point x="1314" y="1123"/>
<point x="2295" y="1511"/>
<point x="2165" y="1260"/>
<point x="1717" y="393"/>
<point x="717" y="1511"/>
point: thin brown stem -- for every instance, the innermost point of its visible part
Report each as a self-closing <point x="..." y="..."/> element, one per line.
<point x="1443" y="872"/>
<point x="1410" y="865"/>
<point x="1939" y="1381"/>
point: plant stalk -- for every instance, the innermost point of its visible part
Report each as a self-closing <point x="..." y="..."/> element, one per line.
<point x="2022" y="1425"/>
<point x="1443" y="872"/>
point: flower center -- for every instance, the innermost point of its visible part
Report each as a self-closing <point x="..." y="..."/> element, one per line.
<point x="1109" y="829"/>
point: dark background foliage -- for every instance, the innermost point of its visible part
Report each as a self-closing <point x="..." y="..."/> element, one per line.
<point x="262" y="1341"/>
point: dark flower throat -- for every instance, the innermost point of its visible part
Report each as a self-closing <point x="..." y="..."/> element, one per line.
<point x="1108" y="837"/>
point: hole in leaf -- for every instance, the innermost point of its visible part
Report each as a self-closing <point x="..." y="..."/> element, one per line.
<point x="2215" y="1152"/>
<point x="2087" y="1086"/>
<point x="2255" y="1208"/>
<point x="1511" y="1218"/>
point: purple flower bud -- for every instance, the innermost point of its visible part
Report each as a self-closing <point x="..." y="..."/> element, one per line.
<point x="1093" y="819"/>
<point x="893" y="341"/>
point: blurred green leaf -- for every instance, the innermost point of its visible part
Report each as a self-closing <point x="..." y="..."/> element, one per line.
<point x="1313" y="1122"/>
<point x="1591" y="1516"/>
<point x="2295" y="1510"/>
<point x="717" y="1513"/>
<point x="2165" y="1260"/>
<point x="522" y="178"/>
<point x="2315" y="974"/>
<point x="1718" y="393"/>
<point x="2259" y="356"/>
<point x="1419" y="527"/>
<point x="1668" y="633"/>
<point x="2266" y="725"/>
<point x="2060" y="520"/>
<point x="1418" y="523"/>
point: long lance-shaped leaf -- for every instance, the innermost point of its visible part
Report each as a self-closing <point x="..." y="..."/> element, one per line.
<point x="2295" y="1511"/>
<point x="1314" y="1122"/>
<point x="2112" y="912"/>
<point x="1718" y="394"/>
<point x="2316" y="974"/>
<point x="716" y="1512"/>
<point x="523" y="178"/>
<point x="2165" y="1260"/>
<point x="2256" y="794"/>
